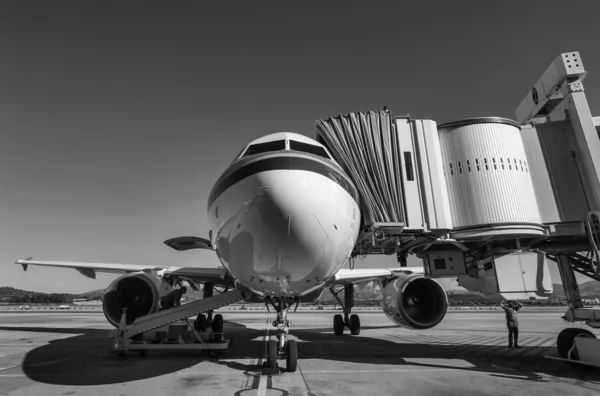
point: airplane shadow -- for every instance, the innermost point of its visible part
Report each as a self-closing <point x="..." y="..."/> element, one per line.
<point x="84" y="359"/>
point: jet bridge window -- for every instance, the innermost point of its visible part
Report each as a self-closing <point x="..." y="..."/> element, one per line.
<point x="408" y="164"/>
<point x="276" y="145"/>
<point x="309" y="148"/>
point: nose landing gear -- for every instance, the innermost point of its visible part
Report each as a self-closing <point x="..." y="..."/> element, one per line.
<point x="340" y="322"/>
<point x="282" y="349"/>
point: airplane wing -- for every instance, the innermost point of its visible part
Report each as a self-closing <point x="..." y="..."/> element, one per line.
<point x="217" y="276"/>
<point x="349" y="276"/>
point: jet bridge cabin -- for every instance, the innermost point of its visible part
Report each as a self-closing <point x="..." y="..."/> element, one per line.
<point x="437" y="190"/>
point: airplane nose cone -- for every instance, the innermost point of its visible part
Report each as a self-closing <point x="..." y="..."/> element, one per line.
<point x="297" y="228"/>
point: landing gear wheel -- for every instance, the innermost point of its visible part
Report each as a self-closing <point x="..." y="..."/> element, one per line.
<point x="354" y="324"/>
<point x="200" y="322"/>
<point x="217" y="327"/>
<point x="272" y="354"/>
<point x="338" y="325"/>
<point x="291" y="356"/>
<point x="213" y="352"/>
<point x="143" y="353"/>
<point x="566" y="338"/>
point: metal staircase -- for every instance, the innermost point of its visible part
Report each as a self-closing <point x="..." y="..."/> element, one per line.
<point x="163" y="318"/>
<point x="588" y="264"/>
<point x="580" y="264"/>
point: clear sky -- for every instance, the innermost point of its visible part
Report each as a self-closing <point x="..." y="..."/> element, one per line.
<point x="116" y="119"/>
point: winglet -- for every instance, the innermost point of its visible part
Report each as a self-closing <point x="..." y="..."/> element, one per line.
<point x="24" y="264"/>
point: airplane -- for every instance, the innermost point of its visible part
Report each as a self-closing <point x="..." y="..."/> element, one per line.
<point x="284" y="220"/>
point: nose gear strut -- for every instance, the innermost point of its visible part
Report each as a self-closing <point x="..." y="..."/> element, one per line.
<point x="281" y="348"/>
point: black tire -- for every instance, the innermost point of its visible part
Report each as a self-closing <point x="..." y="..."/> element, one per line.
<point x="338" y="325"/>
<point x="144" y="353"/>
<point x="565" y="340"/>
<point x="217" y="327"/>
<point x="354" y="324"/>
<point x="272" y="349"/>
<point x="217" y="324"/>
<point x="291" y="356"/>
<point x="200" y="322"/>
<point x="213" y="352"/>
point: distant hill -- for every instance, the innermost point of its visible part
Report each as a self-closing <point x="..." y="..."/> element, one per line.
<point x="16" y="296"/>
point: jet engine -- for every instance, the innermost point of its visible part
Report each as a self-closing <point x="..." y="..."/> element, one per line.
<point x="414" y="302"/>
<point x="138" y="292"/>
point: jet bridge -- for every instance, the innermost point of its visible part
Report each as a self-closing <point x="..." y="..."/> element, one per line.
<point x="487" y="200"/>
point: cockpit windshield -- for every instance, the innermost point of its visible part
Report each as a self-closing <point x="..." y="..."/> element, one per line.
<point x="309" y="148"/>
<point x="280" y="145"/>
<point x="258" y="148"/>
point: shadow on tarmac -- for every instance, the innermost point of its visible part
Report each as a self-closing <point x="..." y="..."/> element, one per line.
<point x="84" y="359"/>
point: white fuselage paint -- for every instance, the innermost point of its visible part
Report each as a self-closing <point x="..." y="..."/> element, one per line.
<point x="284" y="232"/>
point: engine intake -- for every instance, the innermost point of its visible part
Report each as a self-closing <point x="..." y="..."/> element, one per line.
<point x="414" y="302"/>
<point x="138" y="292"/>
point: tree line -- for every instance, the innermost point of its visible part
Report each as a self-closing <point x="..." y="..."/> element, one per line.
<point x="34" y="298"/>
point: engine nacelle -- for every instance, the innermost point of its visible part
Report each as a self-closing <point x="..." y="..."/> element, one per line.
<point x="139" y="292"/>
<point x="414" y="302"/>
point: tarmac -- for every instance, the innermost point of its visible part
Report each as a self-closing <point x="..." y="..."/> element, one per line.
<point x="67" y="353"/>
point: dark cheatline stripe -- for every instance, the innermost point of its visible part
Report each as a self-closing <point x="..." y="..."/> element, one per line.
<point x="282" y="163"/>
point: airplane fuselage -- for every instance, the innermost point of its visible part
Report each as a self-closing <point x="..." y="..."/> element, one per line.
<point x="283" y="221"/>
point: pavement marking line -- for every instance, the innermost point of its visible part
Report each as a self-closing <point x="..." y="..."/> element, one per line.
<point x="531" y="349"/>
<point x="9" y="367"/>
<point x="262" y="383"/>
<point x="381" y="371"/>
<point x="262" y="387"/>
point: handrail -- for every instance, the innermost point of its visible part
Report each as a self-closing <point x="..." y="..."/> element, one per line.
<point x="593" y="229"/>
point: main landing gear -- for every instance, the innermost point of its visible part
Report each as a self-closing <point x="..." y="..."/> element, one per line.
<point x="281" y="349"/>
<point x="350" y="321"/>
<point x="204" y="321"/>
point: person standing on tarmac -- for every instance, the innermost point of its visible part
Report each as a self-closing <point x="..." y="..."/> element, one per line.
<point x="512" y="321"/>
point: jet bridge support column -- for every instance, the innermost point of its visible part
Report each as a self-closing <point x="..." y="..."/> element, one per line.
<point x="587" y="142"/>
<point x="569" y="281"/>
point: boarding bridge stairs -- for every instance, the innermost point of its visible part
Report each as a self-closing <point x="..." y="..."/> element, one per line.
<point x="171" y="315"/>
<point x="581" y="264"/>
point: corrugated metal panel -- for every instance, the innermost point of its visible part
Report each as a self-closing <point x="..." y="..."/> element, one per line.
<point x="487" y="175"/>
<point x="365" y="145"/>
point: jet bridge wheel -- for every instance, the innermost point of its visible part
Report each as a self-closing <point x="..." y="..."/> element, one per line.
<point x="291" y="358"/>
<point x="338" y="324"/>
<point x="354" y="324"/>
<point x="566" y="340"/>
